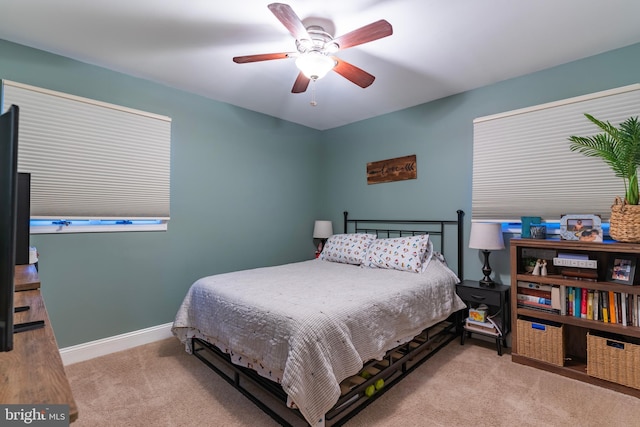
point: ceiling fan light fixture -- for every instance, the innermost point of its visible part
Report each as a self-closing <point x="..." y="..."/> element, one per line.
<point x="316" y="47"/>
<point x="304" y="45"/>
<point x="315" y="65"/>
<point x="331" y="47"/>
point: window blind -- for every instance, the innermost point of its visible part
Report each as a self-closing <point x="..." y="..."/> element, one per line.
<point x="522" y="165"/>
<point x="89" y="159"/>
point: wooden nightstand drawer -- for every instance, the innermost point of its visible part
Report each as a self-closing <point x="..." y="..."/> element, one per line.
<point x="479" y="295"/>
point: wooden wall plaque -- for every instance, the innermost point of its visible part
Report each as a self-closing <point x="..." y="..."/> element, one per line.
<point x="398" y="169"/>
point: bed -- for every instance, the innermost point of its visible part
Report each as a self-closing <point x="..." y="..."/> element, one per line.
<point x="315" y="342"/>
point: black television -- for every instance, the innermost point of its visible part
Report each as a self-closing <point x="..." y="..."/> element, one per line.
<point x="8" y="221"/>
<point x="23" y="217"/>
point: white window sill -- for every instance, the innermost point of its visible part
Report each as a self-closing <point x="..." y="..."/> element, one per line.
<point x="94" y="226"/>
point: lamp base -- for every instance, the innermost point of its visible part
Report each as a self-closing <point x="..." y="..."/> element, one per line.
<point x="487" y="283"/>
<point x="320" y="244"/>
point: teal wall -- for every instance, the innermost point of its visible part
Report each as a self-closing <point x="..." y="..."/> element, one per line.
<point x="440" y="134"/>
<point x="246" y="188"/>
<point x="243" y="194"/>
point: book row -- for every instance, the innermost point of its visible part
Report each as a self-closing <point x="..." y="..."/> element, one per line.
<point x="604" y="306"/>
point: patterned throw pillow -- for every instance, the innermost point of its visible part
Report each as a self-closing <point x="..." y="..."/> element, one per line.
<point x="409" y="253"/>
<point x="427" y="256"/>
<point x="347" y="248"/>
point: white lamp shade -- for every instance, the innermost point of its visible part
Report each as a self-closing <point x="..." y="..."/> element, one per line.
<point x="315" y="65"/>
<point x="322" y="230"/>
<point x="486" y="236"/>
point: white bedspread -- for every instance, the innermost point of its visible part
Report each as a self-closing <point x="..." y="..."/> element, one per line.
<point x="309" y="325"/>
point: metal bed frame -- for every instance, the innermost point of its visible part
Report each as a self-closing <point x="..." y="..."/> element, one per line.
<point x="396" y="364"/>
<point x="433" y="227"/>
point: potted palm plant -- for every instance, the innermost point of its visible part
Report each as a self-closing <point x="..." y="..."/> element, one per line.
<point x="619" y="147"/>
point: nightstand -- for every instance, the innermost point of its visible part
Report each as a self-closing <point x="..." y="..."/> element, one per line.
<point x="497" y="301"/>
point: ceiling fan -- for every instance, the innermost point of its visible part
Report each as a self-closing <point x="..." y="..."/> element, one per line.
<point x="316" y="48"/>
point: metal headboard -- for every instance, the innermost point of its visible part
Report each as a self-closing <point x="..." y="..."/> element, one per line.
<point x="404" y="228"/>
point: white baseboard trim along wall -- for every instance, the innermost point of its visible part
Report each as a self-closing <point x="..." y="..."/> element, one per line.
<point x="89" y="350"/>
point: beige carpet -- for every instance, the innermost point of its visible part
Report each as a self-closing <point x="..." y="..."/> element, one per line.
<point x="160" y="385"/>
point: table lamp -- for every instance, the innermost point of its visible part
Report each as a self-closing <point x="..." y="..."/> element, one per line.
<point x="322" y="230"/>
<point x="486" y="236"/>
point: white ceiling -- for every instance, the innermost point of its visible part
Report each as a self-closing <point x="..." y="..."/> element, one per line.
<point x="438" y="48"/>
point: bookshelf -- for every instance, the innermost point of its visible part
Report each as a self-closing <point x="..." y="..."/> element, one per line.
<point x="576" y="328"/>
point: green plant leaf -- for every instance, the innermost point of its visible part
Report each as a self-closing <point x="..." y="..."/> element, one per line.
<point x="632" y="195"/>
<point x="618" y="147"/>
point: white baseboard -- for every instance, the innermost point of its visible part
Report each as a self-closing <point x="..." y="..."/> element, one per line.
<point x="89" y="350"/>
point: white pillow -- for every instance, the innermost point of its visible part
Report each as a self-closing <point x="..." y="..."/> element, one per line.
<point x="409" y="253"/>
<point x="427" y="255"/>
<point x="347" y="248"/>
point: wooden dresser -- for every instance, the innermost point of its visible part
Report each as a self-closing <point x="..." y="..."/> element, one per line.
<point x="32" y="373"/>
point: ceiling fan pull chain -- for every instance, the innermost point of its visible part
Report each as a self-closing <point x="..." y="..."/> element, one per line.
<point x="313" y="102"/>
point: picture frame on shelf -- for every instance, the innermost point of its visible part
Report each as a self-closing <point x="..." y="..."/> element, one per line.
<point x="622" y="269"/>
<point x="585" y="228"/>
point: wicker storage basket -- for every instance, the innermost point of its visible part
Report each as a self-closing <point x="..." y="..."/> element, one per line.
<point x="540" y="341"/>
<point x="613" y="360"/>
<point x="624" y="225"/>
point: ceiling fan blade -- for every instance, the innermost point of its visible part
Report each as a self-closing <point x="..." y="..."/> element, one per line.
<point x="352" y="73"/>
<point x="368" y="33"/>
<point x="290" y="20"/>
<point x="301" y="83"/>
<point x="261" y="57"/>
